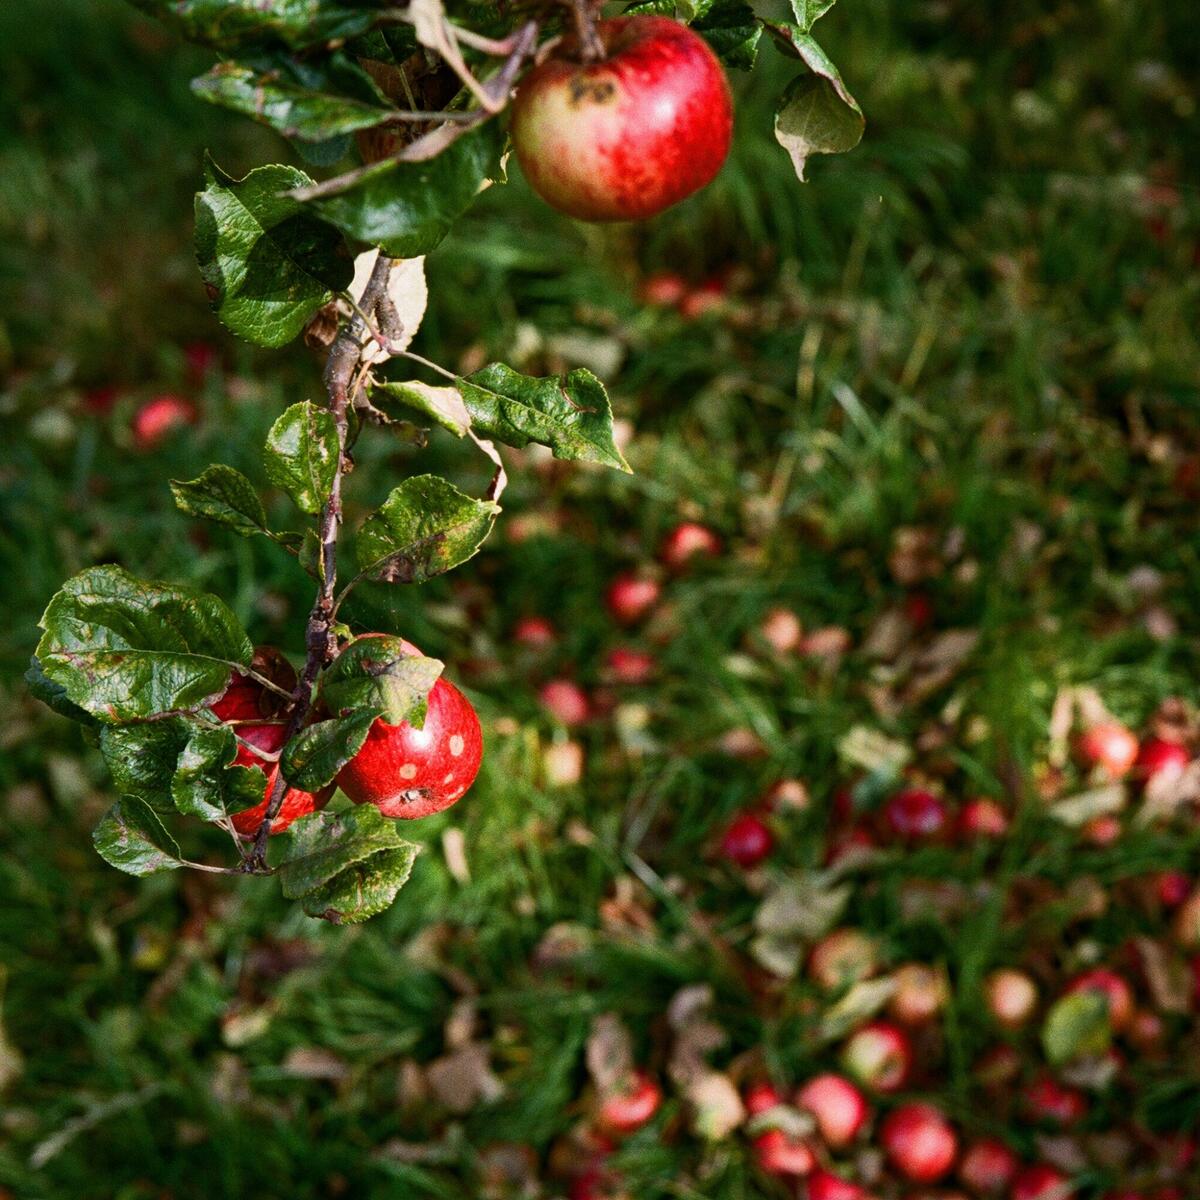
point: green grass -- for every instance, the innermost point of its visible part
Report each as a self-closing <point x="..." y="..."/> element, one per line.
<point x="965" y="325"/>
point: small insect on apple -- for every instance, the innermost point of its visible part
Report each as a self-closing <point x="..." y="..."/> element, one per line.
<point x="627" y="125"/>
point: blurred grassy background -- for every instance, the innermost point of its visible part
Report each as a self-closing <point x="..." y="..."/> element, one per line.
<point x="983" y="323"/>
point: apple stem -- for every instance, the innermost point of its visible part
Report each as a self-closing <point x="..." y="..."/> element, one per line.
<point x="342" y="379"/>
<point x="591" y="45"/>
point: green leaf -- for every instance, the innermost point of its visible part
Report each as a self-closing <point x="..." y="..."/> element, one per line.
<point x="289" y="108"/>
<point x="141" y="758"/>
<point x="268" y="262"/>
<point x="228" y="23"/>
<point x="572" y="415"/>
<point x="301" y="454"/>
<point x="125" y="650"/>
<point x="314" y="756"/>
<point x="54" y="695"/>
<point x="732" y="30"/>
<point x="442" y="405"/>
<point x="808" y="12"/>
<point x="816" y="114"/>
<point x="206" y="784"/>
<point x="324" y="844"/>
<point x="223" y="495"/>
<point x="380" y="673"/>
<point x="425" y="528"/>
<point x="1077" y="1026"/>
<point x="365" y="889"/>
<point x="130" y="837"/>
<point x="407" y="208"/>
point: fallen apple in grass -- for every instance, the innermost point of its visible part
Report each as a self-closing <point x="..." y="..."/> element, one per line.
<point x="623" y="125"/>
<point x="159" y="417"/>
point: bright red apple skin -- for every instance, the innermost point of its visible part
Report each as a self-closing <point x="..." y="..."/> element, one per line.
<point x="159" y="417"/>
<point x="536" y="632"/>
<point x="747" y="840"/>
<point x="627" y="1110"/>
<point x="627" y="136"/>
<point x="988" y="1166"/>
<point x="1110" y="746"/>
<point x="409" y="773"/>
<point x="1172" y="888"/>
<point x="919" y="1142"/>
<point x="663" y="289"/>
<point x="824" y="1185"/>
<point x="915" y="813"/>
<point x="631" y="597"/>
<point x="565" y="701"/>
<point x="982" y="818"/>
<point x="296" y="803"/>
<point x="1045" y="1099"/>
<point x="778" y="1153"/>
<point x="687" y="541"/>
<point x="1041" y="1182"/>
<point x="252" y="710"/>
<point x="838" y="1107"/>
<point x="760" y="1097"/>
<point x="1157" y="756"/>
<point x="630" y="666"/>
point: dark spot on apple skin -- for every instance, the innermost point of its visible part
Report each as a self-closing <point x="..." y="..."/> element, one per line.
<point x="591" y="91"/>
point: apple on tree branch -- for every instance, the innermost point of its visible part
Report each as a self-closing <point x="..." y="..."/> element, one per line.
<point x="615" y="119"/>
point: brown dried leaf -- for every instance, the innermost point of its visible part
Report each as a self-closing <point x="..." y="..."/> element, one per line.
<point x="314" y="1062"/>
<point x="609" y="1053"/>
<point x="464" y="1078"/>
<point x="1167" y="976"/>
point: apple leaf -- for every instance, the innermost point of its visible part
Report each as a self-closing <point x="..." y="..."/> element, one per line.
<point x="732" y="30"/>
<point x="322" y="845"/>
<point x="808" y="12"/>
<point x="407" y="208"/>
<point x="572" y="415"/>
<point x="442" y="405"/>
<point x="223" y="495"/>
<point x="380" y="673"/>
<point x="207" y="784"/>
<point x="289" y="108"/>
<point x="131" y="838"/>
<point x="301" y="454"/>
<point x="125" y="650"/>
<point x="816" y="114"/>
<point x="268" y="262"/>
<point x="364" y="889"/>
<point x="314" y="756"/>
<point x="425" y="528"/>
<point x="141" y="758"/>
<point x="228" y="23"/>
<point x="54" y="695"/>
<point x="1077" y="1026"/>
